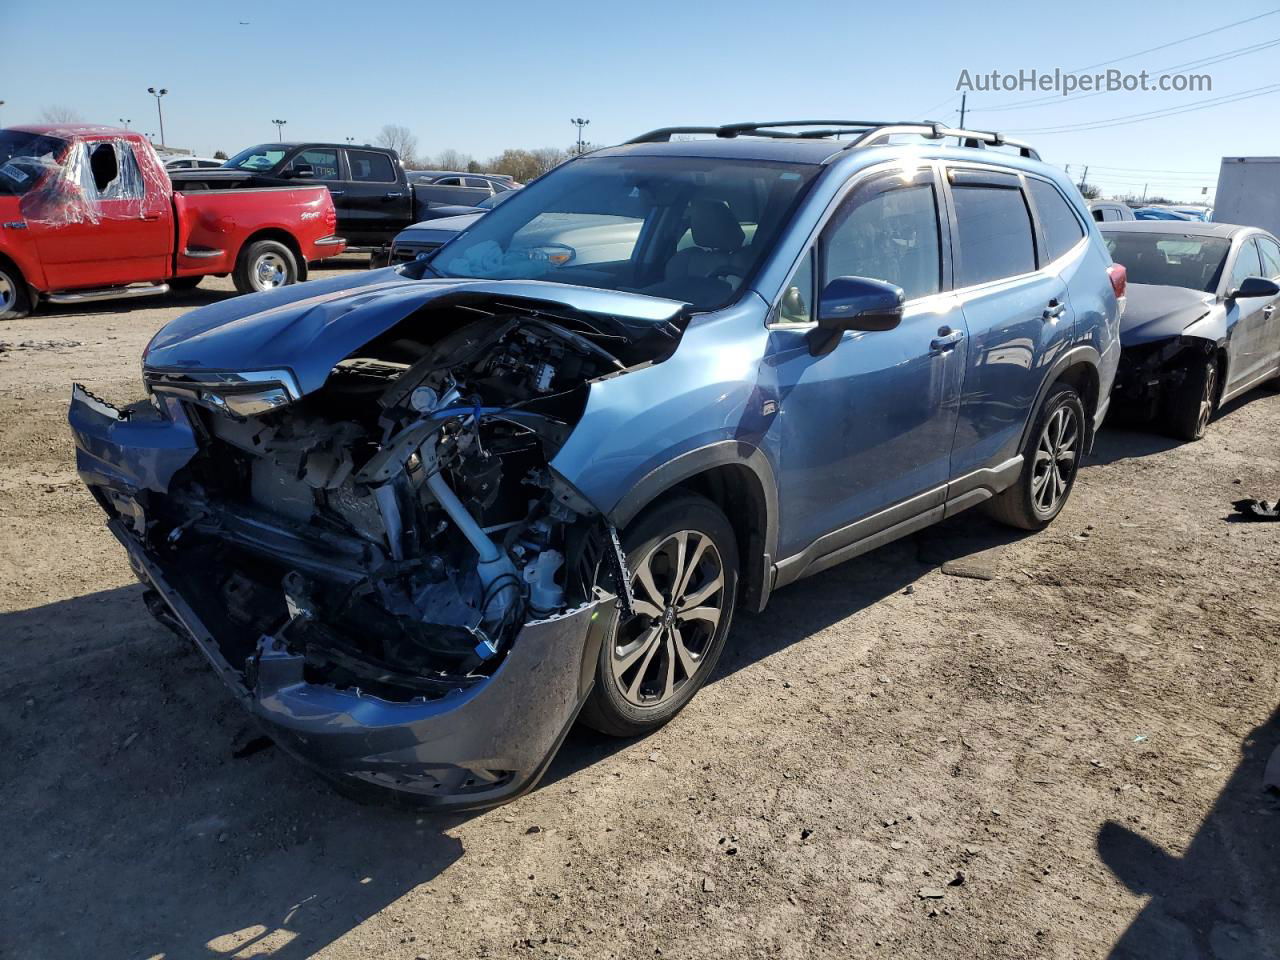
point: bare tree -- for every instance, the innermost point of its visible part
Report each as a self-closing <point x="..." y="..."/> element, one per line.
<point x="401" y="140"/>
<point x="1089" y="191"/>
<point x="451" y="159"/>
<point x="60" y="114"/>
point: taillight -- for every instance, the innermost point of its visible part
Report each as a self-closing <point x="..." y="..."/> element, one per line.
<point x="1119" y="283"/>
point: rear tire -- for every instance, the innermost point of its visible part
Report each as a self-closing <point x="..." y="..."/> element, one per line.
<point x="1050" y="462"/>
<point x="1188" y="411"/>
<point x="15" y="301"/>
<point x="265" y="265"/>
<point x="684" y="568"/>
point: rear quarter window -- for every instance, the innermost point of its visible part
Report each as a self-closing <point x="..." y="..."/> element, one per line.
<point x="994" y="232"/>
<point x="1061" y="229"/>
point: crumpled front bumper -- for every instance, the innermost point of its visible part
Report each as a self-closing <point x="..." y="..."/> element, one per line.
<point x="475" y="747"/>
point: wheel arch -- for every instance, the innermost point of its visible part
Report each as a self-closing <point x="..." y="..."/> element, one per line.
<point x="739" y="479"/>
<point x="1078" y="367"/>
<point x="280" y="236"/>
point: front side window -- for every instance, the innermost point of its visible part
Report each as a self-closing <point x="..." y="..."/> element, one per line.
<point x="1247" y="265"/>
<point x="888" y="231"/>
<point x="1169" y="259"/>
<point x="994" y="228"/>
<point x="1270" y="251"/>
<point x="1062" y="230"/>
<point x="371" y="167"/>
<point x="323" y="163"/>
<point x="670" y="227"/>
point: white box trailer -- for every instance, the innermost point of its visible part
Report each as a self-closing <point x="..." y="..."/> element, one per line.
<point x="1249" y="192"/>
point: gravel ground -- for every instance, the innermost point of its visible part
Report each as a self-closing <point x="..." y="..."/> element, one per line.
<point x="894" y="760"/>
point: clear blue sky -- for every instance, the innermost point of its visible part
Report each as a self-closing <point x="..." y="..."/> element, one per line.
<point x="481" y="77"/>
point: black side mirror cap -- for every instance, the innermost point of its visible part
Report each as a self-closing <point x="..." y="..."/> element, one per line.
<point x="1254" y="287"/>
<point x="302" y="171"/>
<point x="855" y="303"/>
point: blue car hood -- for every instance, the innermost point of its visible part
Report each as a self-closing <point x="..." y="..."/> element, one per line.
<point x="1155" y="312"/>
<point x="309" y="327"/>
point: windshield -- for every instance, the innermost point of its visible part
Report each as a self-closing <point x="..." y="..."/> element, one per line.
<point x="1169" y="259"/>
<point x="683" y="228"/>
<point x="24" y="158"/>
<point x="257" y="158"/>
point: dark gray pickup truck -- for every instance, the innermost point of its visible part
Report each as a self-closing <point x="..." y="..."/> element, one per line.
<point x="375" y="198"/>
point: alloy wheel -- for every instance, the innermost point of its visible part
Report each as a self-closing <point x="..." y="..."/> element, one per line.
<point x="8" y="293"/>
<point x="679" y="596"/>
<point x="270" y="271"/>
<point x="1055" y="460"/>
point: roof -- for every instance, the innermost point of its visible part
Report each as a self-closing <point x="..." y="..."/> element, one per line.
<point x="1184" y="228"/>
<point x="65" y="130"/>
<point x="733" y="148"/>
<point x="291" y="144"/>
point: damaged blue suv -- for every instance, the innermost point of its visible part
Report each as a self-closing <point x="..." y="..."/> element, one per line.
<point x="423" y="518"/>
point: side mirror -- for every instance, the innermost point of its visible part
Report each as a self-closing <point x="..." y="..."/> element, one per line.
<point x="1254" y="287"/>
<point x="855" y="303"/>
<point x="302" y="171"/>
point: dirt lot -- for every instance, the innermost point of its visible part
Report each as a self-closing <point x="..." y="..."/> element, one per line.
<point x="1069" y="755"/>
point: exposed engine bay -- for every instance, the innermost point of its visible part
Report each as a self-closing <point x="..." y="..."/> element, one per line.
<point x="399" y="525"/>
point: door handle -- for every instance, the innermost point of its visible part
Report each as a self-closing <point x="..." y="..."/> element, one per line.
<point x="336" y="193"/>
<point x="394" y="194"/>
<point x="1054" y="310"/>
<point x="946" y="339"/>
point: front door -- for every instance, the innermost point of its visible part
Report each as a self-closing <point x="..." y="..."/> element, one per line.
<point x="106" y="225"/>
<point x="1250" y="350"/>
<point x="868" y="425"/>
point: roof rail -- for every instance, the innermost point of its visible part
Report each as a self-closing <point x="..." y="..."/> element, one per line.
<point x="866" y="133"/>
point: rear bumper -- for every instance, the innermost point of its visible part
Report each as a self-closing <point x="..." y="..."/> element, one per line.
<point x="474" y="747"/>
<point x="325" y="247"/>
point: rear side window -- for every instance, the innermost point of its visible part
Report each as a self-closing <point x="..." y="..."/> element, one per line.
<point x="373" y="167"/>
<point x="1061" y="229"/>
<point x="994" y="232"/>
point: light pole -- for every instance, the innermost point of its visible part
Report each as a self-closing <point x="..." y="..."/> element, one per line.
<point x="579" y="122"/>
<point x="159" y="113"/>
<point x="280" y="128"/>
<point x="125" y="122"/>
<point x="1" y="103"/>
<point x="350" y="139"/>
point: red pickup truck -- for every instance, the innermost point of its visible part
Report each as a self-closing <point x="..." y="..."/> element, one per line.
<point x="89" y="213"/>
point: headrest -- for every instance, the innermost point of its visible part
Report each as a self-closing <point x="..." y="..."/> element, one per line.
<point x="714" y="227"/>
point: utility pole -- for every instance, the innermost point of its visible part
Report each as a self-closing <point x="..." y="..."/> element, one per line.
<point x="159" y="113"/>
<point x="1144" y="192"/>
<point x="1083" y="177"/>
<point x="964" y="99"/>
<point x="579" y="123"/>
<point x="280" y="128"/>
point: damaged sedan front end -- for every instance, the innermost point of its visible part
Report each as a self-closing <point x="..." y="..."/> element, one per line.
<point x="374" y="550"/>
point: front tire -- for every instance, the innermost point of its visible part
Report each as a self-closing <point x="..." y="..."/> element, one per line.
<point x="265" y="265"/>
<point x="1188" y="411"/>
<point x="684" y="573"/>
<point x="15" y="302"/>
<point x="1050" y="462"/>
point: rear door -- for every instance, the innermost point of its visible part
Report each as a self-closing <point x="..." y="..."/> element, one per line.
<point x="1015" y="305"/>
<point x="124" y="233"/>
<point x="377" y="205"/>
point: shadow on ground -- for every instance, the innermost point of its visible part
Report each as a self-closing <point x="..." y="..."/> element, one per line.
<point x="1218" y="900"/>
<point x="142" y="819"/>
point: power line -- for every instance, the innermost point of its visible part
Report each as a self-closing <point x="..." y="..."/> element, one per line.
<point x="1174" y="43"/>
<point x="1190" y="173"/>
<point x="1155" y="114"/>
<point x="1204" y="62"/>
